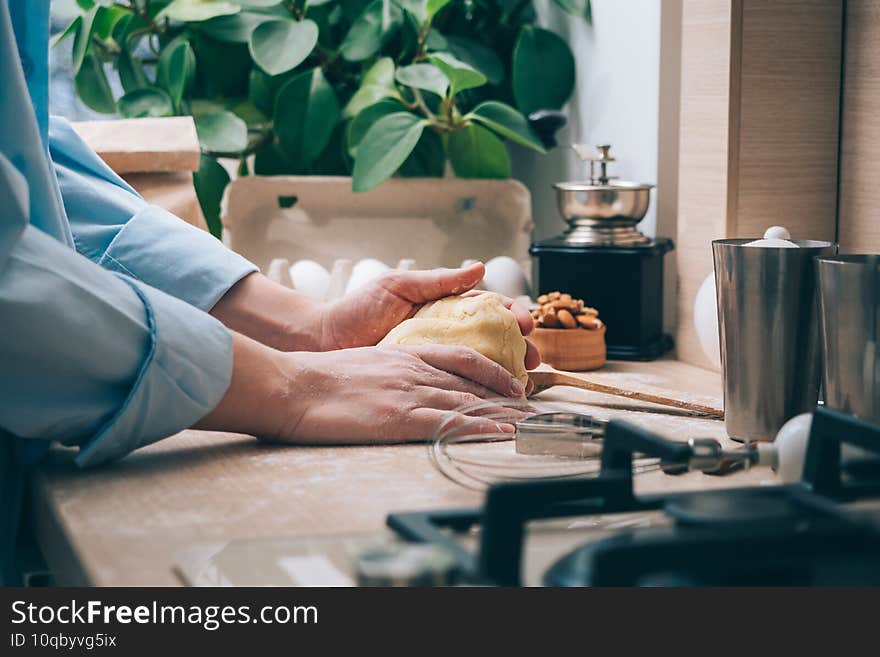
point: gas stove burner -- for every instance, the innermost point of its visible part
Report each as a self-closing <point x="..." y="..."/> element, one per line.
<point x="823" y="530"/>
<point x="740" y="508"/>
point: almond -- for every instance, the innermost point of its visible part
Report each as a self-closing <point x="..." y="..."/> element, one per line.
<point x="550" y="319"/>
<point x="566" y="319"/>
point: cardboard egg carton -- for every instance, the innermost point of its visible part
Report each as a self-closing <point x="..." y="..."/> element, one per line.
<point x="282" y="222"/>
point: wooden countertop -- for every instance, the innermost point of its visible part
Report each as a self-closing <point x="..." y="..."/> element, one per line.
<point x="123" y="524"/>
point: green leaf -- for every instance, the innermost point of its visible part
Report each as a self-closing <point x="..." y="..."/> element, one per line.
<point x="260" y="4"/>
<point x="384" y="148"/>
<point x="262" y="89"/>
<point x="478" y="56"/>
<point x="542" y="70"/>
<point x="333" y="161"/>
<point x="406" y="42"/>
<point x="362" y="123"/>
<point x="147" y="102"/>
<point x="432" y="7"/>
<point x="277" y="46"/>
<point x="83" y="38"/>
<point x="222" y="132"/>
<point x="507" y="122"/>
<point x="193" y="11"/>
<point x="123" y="28"/>
<point x="428" y="159"/>
<point x="436" y="41"/>
<point x="236" y="28"/>
<point x="423" y="76"/>
<point x="223" y="67"/>
<point x="477" y="153"/>
<point x="85" y="5"/>
<point x="576" y="8"/>
<point x="176" y="69"/>
<point x="70" y="30"/>
<point x="461" y="76"/>
<point x="92" y="86"/>
<point x="210" y="182"/>
<point x="376" y="83"/>
<point x="372" y="29"/>
<point x="131" y="72"/>
<point x="246" y="110"/>
<point x="306" y="111"/>
<point x="106" y="19"/>
<point x="417" y="8"/>
<point x="270" y="161"/>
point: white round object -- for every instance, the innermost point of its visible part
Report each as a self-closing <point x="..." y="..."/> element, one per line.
<point x="791" y="447"/>
<point x="310" y="278"/>
<point x="339" y="276"/>
<point x="706" y="321"/>
<point x="505" y="276"/>
<point x="364" y="271"/>
<point x="406" y="264"/>
<point x="279" y="271"/>
<point x="777" y="232"/>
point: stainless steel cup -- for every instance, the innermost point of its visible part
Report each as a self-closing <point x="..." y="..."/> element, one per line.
<point x="768" y="323"/>
<point x="850" y="301"/>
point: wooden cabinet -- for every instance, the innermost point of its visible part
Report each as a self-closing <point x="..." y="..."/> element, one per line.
<point x="778" y="126"/>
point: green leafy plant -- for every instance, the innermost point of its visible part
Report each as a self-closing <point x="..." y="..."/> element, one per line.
<point x="370" y="88"/>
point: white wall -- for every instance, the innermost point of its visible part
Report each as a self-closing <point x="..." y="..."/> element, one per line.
<point x="626" y="95"/>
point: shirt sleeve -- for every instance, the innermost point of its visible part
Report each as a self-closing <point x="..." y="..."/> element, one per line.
<point x="115" y="228"/>
<point x="93" y="358"/>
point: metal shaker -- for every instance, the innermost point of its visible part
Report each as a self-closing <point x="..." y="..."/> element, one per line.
<point x="850" y="302"/>
<point x="768" y="323"/>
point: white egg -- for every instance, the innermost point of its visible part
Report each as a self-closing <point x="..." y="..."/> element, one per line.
<point x="339" y="276"/>
<point x="365" y="271"/>
<point x="706" y="321"/>
<point x="279" y="271"/>
<point x="505" y="276"/>
<point x="310" y="278"/>
<point x="791" y="447"/>
<point x="777" y="232"/>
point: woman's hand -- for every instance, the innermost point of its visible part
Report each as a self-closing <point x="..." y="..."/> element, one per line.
<point x="366" y="316"/>
<point x="392" y="394"/>
<point x="288" y="321"/>
<point x="364" y="395"/>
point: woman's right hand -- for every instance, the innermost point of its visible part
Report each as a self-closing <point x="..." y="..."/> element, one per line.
<point x="356" y="396"/>
<point x="391" y="394"/>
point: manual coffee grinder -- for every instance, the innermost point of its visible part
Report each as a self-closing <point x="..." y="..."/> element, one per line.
<point x="604" y="259"/>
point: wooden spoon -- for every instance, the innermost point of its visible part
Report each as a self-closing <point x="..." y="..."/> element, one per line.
<point x="547" y="379"/>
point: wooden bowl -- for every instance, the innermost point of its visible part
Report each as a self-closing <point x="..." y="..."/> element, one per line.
<point x="571" y="349"/>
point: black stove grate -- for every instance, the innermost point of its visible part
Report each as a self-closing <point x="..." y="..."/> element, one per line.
<point x="785" y="535"/>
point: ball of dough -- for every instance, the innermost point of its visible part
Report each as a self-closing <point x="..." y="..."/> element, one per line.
<point x="479" y="322"/>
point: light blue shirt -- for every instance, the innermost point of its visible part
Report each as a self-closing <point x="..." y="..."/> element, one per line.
<point x="105" y="339"/>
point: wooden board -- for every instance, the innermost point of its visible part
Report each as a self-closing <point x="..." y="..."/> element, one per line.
<point x="144" y="145"/>
<point x="858" y="226"/>
<point x="703" y="156"/>
<point x="759" y="131"/>
<point x="125" y="523"/>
